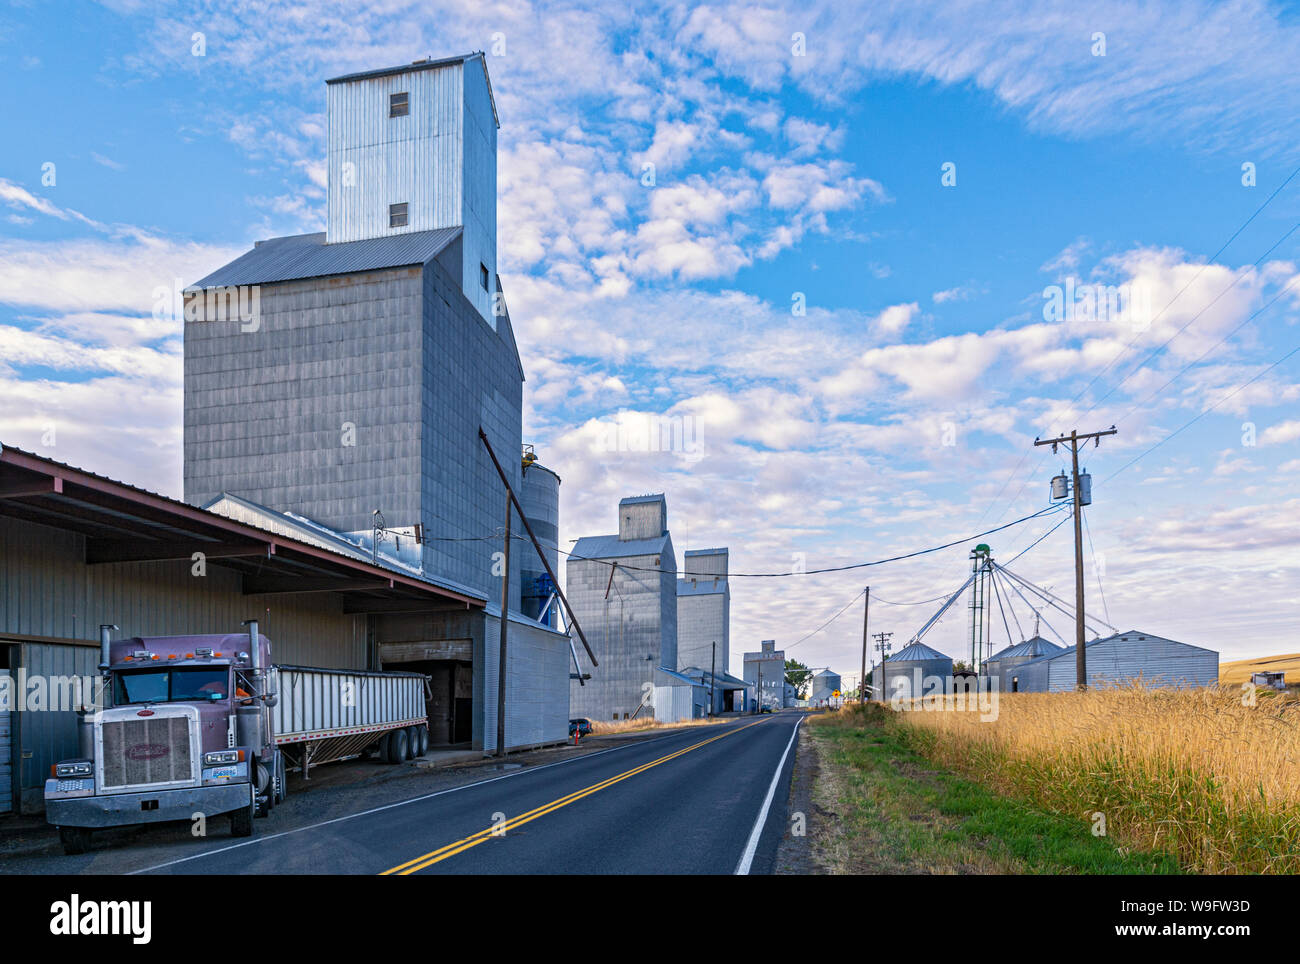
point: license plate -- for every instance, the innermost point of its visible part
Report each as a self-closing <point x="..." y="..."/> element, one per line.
<point x="224" y="773"/>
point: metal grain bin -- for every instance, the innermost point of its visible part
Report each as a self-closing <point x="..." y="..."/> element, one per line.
<point x="907" y="670"/>
<point x="540" y="496"/>
<point x="1003" y="666"/>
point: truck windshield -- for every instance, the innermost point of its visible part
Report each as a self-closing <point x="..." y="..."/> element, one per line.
<point x="163" y="685"/>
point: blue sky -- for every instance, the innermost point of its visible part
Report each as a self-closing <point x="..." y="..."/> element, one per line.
<point x="896" y="413"/>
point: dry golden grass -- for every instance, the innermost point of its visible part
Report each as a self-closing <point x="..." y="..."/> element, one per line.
<point x="603" y="727"/>
<point x="1238" y="671"/>
<point x="1194" y="773"/>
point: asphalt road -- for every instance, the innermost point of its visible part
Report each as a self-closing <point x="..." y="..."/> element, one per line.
<point x="702" y="800"/>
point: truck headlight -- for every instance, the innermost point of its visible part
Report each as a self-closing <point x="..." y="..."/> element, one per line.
<point x="218" y="757"/>
<point x="75" y="768"/>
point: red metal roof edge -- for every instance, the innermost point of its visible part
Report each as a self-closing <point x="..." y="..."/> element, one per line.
<point x="64" y="472"/>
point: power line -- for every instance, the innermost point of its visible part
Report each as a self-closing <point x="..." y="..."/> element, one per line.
<point x="1095" y="568"/>
<point x="1223" y="247"/>
<point x="1204" y="413"/>
<point x="814" y="572"/>
<point x="827" y="623"/>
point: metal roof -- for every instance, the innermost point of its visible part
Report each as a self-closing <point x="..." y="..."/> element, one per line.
<point x="915" y="653"/>
<point x="299" y="256"/>
<point x="1036" y="646"/>
<point x="634" y="499"/>
<point x="707" y="552"/>
<point x="123" y="523"/>
<point x="612" y="547"/>
<point x="1130" y="636"/>
<point x="427" y="63"/>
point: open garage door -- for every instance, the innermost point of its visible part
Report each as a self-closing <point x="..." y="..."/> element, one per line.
<point x="449" y="664"/>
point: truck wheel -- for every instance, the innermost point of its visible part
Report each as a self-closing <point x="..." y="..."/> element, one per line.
<point x="424" y="739"/>
<point x="75" y="840"/>
<point x="241" y="821"/>
<point x="397" y="746"/>
<point x="381" y="751"/>
<point x="413" y="743"/>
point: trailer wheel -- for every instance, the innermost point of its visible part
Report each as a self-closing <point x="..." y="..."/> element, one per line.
<point x="382" y="748"/>
<point x="241" y="820"/>
<point x="397" y="746"/>
<point x="413" y="743"/>
<point x="424" y="739"/>
<point x="75" y="840"/>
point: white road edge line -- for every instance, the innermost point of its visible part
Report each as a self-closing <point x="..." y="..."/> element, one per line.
<point x="747" y="858"/>
<point x="399" y="803"/>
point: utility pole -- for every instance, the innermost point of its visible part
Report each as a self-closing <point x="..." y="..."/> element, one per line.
<point x="501" y="659"/>
<point x="1073" y="440"/>
<point x="713" y="665"/>
<point x="758" y="707"/>
<point x="862" y="687"/>
<point x="882" y="644"/>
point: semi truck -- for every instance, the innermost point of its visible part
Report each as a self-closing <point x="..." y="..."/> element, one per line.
<point x="185" y="727"/>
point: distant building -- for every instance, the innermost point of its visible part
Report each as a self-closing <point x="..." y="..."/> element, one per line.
<point x="730" y="695"/>
<point x="1273" y="681"/>
<point x="824" y="687"/>
<point x="765" y="671"/>
<point x="704" y="610"/>
<point x="1121" y="659"/>
<point x="623" y="589"/>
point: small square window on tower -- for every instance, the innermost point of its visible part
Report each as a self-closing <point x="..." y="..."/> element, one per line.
<point x="399" y="105"/>
<point x="483" y="275"/>
<point x="397" y="217"/>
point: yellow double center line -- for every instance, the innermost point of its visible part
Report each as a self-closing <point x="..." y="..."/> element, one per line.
<point x="500" y="829"/>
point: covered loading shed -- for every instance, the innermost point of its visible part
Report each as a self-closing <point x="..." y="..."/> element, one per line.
<point x="1121" y="659"/>
<point x="78" y="549"/>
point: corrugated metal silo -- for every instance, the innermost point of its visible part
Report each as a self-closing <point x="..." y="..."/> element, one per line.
<point x="906" y="671"/>
<point x="1003" y="666"/>
<point x="540" y="497"/>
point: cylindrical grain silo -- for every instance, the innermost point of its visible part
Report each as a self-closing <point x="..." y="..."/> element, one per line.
<point x="908" y="671"/>
<point x="540" y="497"/>
<point x="1002" y="666"/>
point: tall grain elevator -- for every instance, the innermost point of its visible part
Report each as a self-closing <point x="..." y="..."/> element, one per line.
<point x="353" y="393"/>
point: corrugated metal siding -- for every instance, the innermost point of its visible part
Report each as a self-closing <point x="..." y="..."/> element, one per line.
<point x="479" y="214"/>
<point x="414" y="159"/>
<point x="537" y="685"/>
<point x="312" y="701"/>
<point x="47" y="590"/>
<point x="674" y="703"/>
<point x="6" y="765"/>
<point x="1122" y="659"/>
<point x="48" y="736"/>
<point x="900" y="676"/>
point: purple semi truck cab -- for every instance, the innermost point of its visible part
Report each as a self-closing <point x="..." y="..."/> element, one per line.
<point x="191" y="728"/>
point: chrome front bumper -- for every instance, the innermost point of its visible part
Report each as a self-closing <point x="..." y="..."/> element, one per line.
<point x="156" y="806"/>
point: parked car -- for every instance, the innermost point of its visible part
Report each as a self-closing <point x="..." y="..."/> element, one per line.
<point x="766" y="709"/>
<point x="582" y="727"/>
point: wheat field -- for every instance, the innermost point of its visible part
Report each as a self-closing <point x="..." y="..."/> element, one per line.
<point x="1195" y="773"/>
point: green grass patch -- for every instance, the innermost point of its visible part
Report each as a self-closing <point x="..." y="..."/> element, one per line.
<point x="897" y="812"/>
